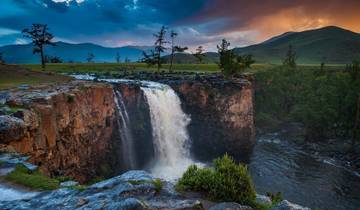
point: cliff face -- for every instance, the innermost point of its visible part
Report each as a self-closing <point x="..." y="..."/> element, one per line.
<point x="66" y="130"/>
<point x="222" y="118"/>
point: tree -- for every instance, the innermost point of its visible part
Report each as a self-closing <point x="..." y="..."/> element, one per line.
<point x="53" y="59"/>
<point x="149" y="58"/>
<point x="290" y="58"/>
<point x="2" y="58"/>
<point x="90" y="57"/>
<point x="230" y="63"/>
<point x="160" y="46"/>
<point x="199" y="54"/>
<point x="174" y="48"/>
<point x="40" y="38"/>
<point x="117" y="57"/>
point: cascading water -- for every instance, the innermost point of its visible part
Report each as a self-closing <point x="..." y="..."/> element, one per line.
<point x="127" y="141"/>
<point x="169" y="128"/>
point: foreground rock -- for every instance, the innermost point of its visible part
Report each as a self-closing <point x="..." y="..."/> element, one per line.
<point x="286" y="205"/>
<point x="132" y="190"/>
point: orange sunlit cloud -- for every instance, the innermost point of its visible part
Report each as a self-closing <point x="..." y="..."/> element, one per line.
<point x="274" y="17"/>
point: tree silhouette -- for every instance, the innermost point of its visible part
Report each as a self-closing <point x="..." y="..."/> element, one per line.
<point x="117" y="57"/>
<point x="90" y="57"/>
<point x="160" y="46"/>
<point x="290" y="58"/>
<point x="40" y="38"/>
<point x="174" y="48"/>
<point x="199" y="54"/>
<point x="2" y="58"/>
<point x="154" y="58"/>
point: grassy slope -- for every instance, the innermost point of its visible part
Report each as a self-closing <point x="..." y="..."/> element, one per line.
<point x="332" y="44"/>
<point x="12" y="76"/>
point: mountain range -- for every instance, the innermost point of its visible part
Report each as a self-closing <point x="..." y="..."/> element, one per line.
<point x="329" y="44"/>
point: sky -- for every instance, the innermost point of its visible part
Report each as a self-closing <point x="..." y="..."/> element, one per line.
<point x="114" y="23"/>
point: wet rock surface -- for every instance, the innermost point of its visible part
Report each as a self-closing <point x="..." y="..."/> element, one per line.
<point x="132" y="190"/>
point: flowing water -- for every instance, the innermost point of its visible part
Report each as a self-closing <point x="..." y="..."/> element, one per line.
<point x="169" y="127"/>
<point x="280" y="165"/>
<point x="126" y="138"/>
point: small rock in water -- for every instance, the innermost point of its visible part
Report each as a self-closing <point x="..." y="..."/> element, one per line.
<point x="24" y="87"/>
<point x="81" y="202"/>
<point x="68" y="184"/>
<point x="263" y="199"/>
<point x="230" y="206"/>
<point x="30" y="166"/>
<point x="286" y="205"/>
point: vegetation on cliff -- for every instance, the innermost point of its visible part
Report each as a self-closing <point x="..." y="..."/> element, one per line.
<point x="325" y="101"/>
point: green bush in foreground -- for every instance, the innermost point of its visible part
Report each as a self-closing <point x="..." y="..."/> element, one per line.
<point x="33" y="179"/>
<point x="227" y="181"/>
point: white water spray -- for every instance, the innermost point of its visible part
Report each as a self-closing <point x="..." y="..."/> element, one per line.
<point x="127" y="140"/>
<point x="169" y="127"/>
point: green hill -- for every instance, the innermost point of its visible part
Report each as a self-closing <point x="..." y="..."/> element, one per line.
<point x="331" y="44"/>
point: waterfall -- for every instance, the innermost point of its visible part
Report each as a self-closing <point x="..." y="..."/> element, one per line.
<point x="169" y="128"/>
<point x="127" y="141"/>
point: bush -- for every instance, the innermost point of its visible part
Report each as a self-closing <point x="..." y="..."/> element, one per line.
<point x="158" y="184"/>
<point x="33" y="179"/>
<point x="227" y="181"/>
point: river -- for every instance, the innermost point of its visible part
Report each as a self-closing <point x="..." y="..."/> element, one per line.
<point x="277" y="164"/>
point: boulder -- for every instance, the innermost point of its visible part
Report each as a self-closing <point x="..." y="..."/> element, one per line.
<point x="286" y="205"/>
<point x="11" y="129"/>
<point x="263" y="199"/>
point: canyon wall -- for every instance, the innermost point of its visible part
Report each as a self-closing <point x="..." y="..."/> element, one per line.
<point x="65" y="129"/>
<point x="222" y="116"/>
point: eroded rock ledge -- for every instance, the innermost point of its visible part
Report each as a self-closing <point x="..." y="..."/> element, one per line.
<point x="65" y="129"/>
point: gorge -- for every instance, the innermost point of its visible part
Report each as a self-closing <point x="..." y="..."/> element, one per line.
<point x="86" y="129"/>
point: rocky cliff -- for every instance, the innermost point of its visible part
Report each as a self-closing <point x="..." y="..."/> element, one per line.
<point x="222" y="118"/>
<point x="66" y="129"/>
<point x="221" y="111"/>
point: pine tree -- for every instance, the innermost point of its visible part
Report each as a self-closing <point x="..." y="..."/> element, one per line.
<point x="199" y="54"/>
<point x="117" y="57"/>
<point x="290" y="58"/>
<point x="159" y="46"/>
<point x="174" y="48"/>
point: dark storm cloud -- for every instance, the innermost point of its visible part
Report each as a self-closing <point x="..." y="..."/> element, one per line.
<point x="93" y="20"/>
<point x="199" y="22"/>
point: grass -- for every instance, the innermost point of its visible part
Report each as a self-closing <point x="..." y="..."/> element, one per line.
<point x="32" y="179"/>
<point x="12" y="76"/>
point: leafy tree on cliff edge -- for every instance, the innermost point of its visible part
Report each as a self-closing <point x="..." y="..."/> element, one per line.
<point x="40" y="38"/>
<point x="230" y="63"/>
<point x="174" y="48"/>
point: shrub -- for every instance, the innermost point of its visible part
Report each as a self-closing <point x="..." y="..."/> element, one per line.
<point x="33" y="179"/>
<point x="227" y="181"/>
<point x="158" y="184"/>
<point x="275" y="197"/>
